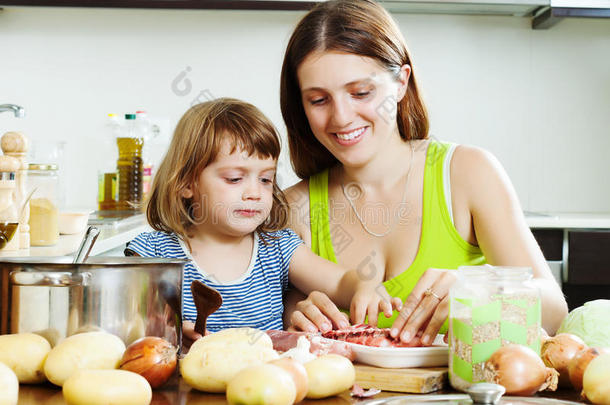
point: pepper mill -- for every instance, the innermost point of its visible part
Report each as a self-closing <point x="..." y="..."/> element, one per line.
<point x="15" y="144"/>
<point x="9" y="214"/>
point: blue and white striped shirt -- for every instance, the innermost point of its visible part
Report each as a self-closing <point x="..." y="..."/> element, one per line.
<point x="253" y="300"/>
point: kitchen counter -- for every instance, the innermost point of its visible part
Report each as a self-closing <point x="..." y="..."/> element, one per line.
<point x="184" y="395"/>
<point x="114" y="236"/>
<point x="568" y="220"/>
<point x="110" y="237"/>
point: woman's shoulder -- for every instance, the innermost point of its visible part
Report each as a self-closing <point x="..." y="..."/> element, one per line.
<point x="297" y="192"/>
<point x="478" y="178"/>
<point x="472" y="163"/>
<point x="297" y="197"/>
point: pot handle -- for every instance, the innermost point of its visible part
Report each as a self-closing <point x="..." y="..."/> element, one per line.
<point x="48" y="279"/>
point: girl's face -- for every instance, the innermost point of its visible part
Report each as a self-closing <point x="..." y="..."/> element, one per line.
<point x="350" y="102"/>
<point x="234" y="194"/>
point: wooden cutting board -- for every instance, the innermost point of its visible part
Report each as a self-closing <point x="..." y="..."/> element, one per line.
<point x="412" y="380"/>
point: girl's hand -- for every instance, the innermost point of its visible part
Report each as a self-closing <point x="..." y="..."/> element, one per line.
<point x="317" y="313"/>
<point x="426" y="308"/>
<point x="369" y="301"/>
<point x="188" y="333"/>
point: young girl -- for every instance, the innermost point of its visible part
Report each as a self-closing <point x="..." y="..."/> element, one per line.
<point x="214" y="201"/>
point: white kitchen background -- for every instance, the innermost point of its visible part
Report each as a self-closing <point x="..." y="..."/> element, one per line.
<point x="539" y="100"/>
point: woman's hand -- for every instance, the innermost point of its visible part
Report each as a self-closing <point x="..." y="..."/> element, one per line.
<point x="369" y="301"/>
<point x="317" y="313"/>
<point x="426" y="308"/>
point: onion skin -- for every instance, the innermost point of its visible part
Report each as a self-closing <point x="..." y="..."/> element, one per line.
<point x="558" y="351"/>
<point x="579" y="364"/>
<point x="298" y="374"/>
<point x="152" y="357"/>
<point x="520" y="370"/>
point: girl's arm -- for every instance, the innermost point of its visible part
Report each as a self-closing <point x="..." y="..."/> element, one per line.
<point x="363" y="293"/>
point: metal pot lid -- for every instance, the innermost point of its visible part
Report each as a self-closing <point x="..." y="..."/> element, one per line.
<point x="462" y="399"/>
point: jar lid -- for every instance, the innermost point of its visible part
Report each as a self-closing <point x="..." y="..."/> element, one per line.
<point x="42" y="166"/>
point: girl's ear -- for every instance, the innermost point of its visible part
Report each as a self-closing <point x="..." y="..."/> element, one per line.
<point x="403" y="81"/>
<point x="186" y="192"/>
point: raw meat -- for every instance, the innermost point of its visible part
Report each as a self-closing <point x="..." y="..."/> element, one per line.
<point x="367" y="335"/>
<point x="284" y="341"/>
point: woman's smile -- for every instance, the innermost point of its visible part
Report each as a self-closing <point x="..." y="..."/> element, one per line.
<point x="351" y="137"/>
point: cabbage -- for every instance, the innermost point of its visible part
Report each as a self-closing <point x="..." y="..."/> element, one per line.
<point x="589" y="322"/>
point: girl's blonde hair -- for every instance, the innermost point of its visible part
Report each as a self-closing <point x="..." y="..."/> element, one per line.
<point x="197" y="141"/>
<point x="359" y="27"/>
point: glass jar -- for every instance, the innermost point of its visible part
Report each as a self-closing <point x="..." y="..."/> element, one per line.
<point x="9" y="217"/>
<point x="44" y="214"/>
<point x="490" y="307"/>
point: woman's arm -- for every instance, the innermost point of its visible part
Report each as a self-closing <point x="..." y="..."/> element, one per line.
<point x="503" y="234"/>
<point x="487" y="212"/>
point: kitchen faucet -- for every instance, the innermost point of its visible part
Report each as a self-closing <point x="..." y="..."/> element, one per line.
<point x="16" y="109"/>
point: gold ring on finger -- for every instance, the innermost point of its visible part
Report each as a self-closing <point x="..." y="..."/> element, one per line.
<point x="429" y="292"/>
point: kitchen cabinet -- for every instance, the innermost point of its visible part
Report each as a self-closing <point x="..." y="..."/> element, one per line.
<point x="579" y="244"/>
<point x="588" y="266"/>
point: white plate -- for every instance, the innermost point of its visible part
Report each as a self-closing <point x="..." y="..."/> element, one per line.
<point x="400" y="357"/>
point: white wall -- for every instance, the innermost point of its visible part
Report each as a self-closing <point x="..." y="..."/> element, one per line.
<point x="539" y="100"/>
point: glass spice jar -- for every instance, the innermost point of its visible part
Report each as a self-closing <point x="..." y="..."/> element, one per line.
<point x="44" y="214"/>
<point x="490" y="307"/>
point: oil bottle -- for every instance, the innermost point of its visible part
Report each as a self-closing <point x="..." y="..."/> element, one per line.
<point x="129" y="166"/>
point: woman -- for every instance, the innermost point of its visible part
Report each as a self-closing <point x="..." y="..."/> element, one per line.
<point x="379" y="195"/>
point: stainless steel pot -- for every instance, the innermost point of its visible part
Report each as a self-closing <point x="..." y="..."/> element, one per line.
<point x="130" y="297"/>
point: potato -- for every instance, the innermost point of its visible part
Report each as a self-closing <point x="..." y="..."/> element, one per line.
<point x="264" y="384"/>
<point x="91" y="350"/>
<point x="209" y="368"/>
<point x="9" y="386"/>
<point x="93" y="387"/>
<point x="25" y="354"/>
<point x="231" y="336"/>
<point x="329" y="375"/>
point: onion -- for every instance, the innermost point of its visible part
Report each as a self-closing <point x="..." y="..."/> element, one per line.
<point x="298" y="374"/>
<point x="579" y="363"/>
<point x="595" y="380"/>
<point x="558" y="351"/>
<point x="152" y="357"/>
<point x="520" y="370"/>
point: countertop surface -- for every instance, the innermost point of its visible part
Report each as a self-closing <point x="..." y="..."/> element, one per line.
<point x="110" y="237"/>
<point x="569" y="220"/>
<point x="113" y="236"/>
<point x="180" y="393"/>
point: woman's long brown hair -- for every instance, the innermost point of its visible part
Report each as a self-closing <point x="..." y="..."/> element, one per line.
<point x="360" y="27"/>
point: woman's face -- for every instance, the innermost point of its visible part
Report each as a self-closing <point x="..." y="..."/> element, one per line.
<point x="350" y="102"/>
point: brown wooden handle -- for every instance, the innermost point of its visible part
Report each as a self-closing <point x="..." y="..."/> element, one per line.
<point x="207" y="300"/>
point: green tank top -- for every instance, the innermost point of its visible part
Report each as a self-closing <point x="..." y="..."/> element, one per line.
<point x="441" y="246"/>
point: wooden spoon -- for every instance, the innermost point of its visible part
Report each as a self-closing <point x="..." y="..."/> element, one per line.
<point x="207" y="300"/>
